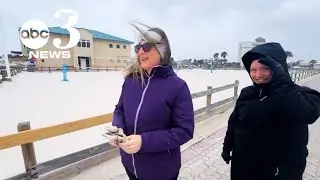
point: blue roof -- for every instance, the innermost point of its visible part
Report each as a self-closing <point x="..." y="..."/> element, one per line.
<point x="95" y="34"/>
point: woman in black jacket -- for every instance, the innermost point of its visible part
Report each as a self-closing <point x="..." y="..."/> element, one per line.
<point x="268" y="130"/>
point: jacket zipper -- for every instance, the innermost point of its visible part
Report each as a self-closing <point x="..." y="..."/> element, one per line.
<point x="136" y="121"/>
<point x="260" y="93"/>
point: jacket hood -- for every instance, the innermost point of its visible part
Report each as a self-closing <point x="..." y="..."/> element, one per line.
<point x="272" y="49"/>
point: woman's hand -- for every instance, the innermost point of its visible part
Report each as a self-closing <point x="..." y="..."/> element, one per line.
<point x="114" y="142"/>
<point x="226" y="156"/>
<point x="132" y="144"/>
<point x="280" y="77"/>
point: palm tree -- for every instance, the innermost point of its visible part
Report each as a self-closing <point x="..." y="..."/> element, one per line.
<point x="224" y="54"/>
<point x="216" y="59"/>
<point x="216" y="55"/>
<point x="313" y="62"/>
<point x="260" y="39"/>
<point x="289" y="54"/>
<point x="173" y="62"/>
<point x="224" y="60"/>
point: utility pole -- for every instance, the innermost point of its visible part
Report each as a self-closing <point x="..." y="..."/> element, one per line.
<point x="2" y="46"/>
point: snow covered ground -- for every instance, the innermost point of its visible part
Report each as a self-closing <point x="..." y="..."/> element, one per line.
<point x="45" y="100"/>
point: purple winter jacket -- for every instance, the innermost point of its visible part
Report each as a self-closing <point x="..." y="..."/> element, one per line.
<point x="162" y="113"/>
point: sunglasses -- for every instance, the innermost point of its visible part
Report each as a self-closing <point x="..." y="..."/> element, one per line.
<point x="146" y="47"/>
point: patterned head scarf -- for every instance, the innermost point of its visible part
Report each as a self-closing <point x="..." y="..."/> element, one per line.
<point x="158" y="38"/>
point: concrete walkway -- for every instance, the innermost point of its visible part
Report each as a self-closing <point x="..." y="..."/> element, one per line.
<point x="113" y="170"/>
<point x="313" y="166"/>
<point x="201" y="156"/>
<point x="208" y="165"/>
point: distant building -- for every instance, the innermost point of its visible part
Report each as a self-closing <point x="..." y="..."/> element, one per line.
<point x="245" y="46"/>
<point x="95" y="49"/>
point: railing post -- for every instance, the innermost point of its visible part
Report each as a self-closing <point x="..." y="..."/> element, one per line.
<point x="209" y="96"/>
<point x="290" y="73"/>
<point x="28" y="152"/>
<point x="236" y="87"/>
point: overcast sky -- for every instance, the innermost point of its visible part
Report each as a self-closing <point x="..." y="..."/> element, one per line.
<point x="195" y="28"/>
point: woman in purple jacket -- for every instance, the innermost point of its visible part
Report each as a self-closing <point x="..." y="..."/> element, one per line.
<point x="155" y="111"/>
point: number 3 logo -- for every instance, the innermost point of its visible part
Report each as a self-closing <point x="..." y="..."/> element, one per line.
<point x="74" y="33"/>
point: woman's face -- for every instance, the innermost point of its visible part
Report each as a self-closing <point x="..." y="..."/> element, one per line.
<point x="148" y="55"/>
<point x="260" y="73"/>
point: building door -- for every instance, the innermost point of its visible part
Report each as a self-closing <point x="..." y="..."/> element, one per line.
<point x="83" y="62"/>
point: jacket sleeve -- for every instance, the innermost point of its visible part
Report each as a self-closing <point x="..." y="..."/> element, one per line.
<point x="229" y="138"/>
<point x="181" y="130"/>
<point x="228" y="143"/>
<point x="300" y="105"/>
<point x="118" y="114"/>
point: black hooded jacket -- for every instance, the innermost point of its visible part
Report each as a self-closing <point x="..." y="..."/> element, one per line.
<point x="269" y="125"/>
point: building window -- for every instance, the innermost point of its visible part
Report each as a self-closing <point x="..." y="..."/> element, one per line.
<point x="84" y="43"/>
<point x="118" y="46"/>
<point x="124" y="47"/>
<point x="110" y="45"/>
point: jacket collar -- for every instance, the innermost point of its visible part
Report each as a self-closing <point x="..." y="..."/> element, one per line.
<point x="161" y="71"/>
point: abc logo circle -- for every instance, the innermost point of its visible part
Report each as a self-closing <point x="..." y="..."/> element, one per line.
<point x="34" y="34"/>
